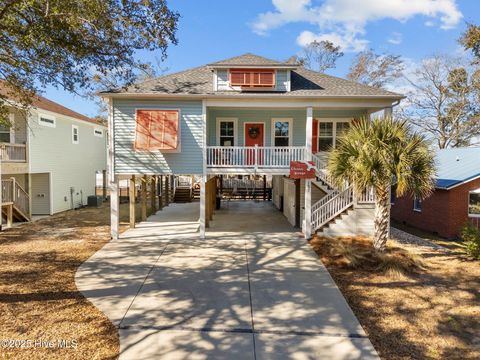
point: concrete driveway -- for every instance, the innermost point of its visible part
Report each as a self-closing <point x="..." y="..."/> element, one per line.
<point x="253" y="290"/>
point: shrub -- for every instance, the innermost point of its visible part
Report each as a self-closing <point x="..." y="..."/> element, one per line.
<point x="471" y="238"/>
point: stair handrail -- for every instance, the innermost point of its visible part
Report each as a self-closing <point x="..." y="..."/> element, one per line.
<point x="332" y="208"/>
<point x="321" y="171"/>
<point x="22" y="200"/>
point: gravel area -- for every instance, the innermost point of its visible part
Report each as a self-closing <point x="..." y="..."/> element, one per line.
<point x="408" y="239"/>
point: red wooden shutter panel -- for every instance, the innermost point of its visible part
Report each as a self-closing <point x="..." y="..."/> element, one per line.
<point x="315" y="136"/>
<point x="157" y="130"/>
<point x="252" y="77"/>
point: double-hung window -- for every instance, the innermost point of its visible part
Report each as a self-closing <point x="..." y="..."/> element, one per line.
<point x="75" y="134"/>
<point x="417" y="203"/>
<point x="325" y="136"/>
<point x="282" y="129"/>
<point x="226" y="132"/>
<point x="474" y="203"/>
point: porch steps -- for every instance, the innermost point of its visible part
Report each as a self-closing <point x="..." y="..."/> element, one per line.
<point x="183" y="195"/>
<point x="358" y="221"/>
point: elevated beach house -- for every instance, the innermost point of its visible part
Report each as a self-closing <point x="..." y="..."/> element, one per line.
<point x="247" y="115"/>
<point x="49" y="159"/>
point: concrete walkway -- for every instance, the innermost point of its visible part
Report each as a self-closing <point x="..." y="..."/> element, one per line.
<point x="253" y="290"/>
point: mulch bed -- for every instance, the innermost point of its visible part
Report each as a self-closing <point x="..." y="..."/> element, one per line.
<point x="429" y="312"/>
<point x="40" y="305"/>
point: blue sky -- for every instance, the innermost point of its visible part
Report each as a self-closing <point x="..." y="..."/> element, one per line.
<point x="211" y="30"/>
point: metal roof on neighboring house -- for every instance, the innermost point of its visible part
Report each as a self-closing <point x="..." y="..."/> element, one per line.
<point x="304" y="83"/>
<point x="456" y="166"/>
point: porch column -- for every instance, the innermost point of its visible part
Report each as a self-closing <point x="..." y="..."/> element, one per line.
<point x="308" y="183"/>
<point x="160" y="193"/>
<point x="143" y="198"/>
<point x="167" y="192"/>
<point x="387" y="111"/>
<point x="153" y="194"/>
<point x="203" y="181"/>
<point x="114" y="209"/>
<point x="131" y="200"/>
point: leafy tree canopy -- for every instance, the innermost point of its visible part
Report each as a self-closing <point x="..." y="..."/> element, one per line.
<point x="471" y="40"/>
<point x="73" y="43"/>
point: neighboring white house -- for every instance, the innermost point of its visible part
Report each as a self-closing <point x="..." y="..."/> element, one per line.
<point x="50" y="157"/>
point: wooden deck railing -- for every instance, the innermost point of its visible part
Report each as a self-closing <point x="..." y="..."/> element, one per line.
<point x="14" y="193"/>
<point x="13" y="152"/>
<point x="254" y="156"/>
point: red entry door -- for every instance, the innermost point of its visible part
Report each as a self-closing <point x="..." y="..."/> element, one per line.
<point x="254" y="134"/>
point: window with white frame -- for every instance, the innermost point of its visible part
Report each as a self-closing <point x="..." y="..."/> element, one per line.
<point x="474" y="203"/>
<point x="341" y="128"/>
<point x="75" y="134"/>
<point x="226" y="132"/>
<point x="282" y="128"/>
<point x="98" y="132"/>
<point x="417" y="203"/>
<point x="46" y="120"/>
<point x="325" y="136"/>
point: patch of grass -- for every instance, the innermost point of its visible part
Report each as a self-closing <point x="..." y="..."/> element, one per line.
<point x="413" y="302"/>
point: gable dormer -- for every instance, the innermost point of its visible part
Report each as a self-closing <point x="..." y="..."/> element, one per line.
<point x="251" y="73"/>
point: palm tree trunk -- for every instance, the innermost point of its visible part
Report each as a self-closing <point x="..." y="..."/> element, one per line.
<point x="382" y="219"/>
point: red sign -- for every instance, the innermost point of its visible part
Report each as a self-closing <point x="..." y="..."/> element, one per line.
<point x="302" y="170"/>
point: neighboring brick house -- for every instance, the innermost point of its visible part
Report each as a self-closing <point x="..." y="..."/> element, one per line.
<point x="455" y="201"/>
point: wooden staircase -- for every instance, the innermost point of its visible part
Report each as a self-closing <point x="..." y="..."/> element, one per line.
<point x="15" y="202"/>
<point x="183" y="194"/>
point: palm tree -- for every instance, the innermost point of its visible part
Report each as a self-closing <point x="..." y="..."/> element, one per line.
<point x="376" y="153"/>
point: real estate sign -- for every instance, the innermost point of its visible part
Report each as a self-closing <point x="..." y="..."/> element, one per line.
<point x="302" y="170"/>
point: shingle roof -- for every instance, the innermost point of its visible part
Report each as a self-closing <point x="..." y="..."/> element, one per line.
<point x="305" y="83"/>
<point x="41" y="102"/>
<point x="457" y="165"/>
<point x="249" y="59"/>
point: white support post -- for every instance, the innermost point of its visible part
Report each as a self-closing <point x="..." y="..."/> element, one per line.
<point x="308" y="183"/>
<point x="203" y="182"/>
<point x="387" y="112"/>
<point x="112" y="179"/>
<point x="114" y="209"/>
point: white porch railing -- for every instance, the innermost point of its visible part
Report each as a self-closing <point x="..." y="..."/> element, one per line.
<point x="13" y="152"/>
<point x="367" y="196"/>
<point x="253" y="156"/>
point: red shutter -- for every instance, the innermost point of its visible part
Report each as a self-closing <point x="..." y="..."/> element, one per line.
<point x="157" y="130"/>
<point x="315" y="136"/>
<point x="252" y="77"/>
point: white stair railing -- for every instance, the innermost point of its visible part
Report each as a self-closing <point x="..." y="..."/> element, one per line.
<point x="321" y="170"/>
<point x="332" y="208"/>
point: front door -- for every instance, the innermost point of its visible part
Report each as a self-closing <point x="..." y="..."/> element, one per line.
<point x="254" y="135"/>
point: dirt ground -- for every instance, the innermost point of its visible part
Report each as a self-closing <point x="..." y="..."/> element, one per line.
<point x="429" y="313"/>
<point x="40" y="306"/>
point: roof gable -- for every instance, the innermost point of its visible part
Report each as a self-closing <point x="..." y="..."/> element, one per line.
<point x="249" y="59"/>
<point x="304" y="83"/>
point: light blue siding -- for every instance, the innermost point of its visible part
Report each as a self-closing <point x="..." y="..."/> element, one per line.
<point x="129" y="161"/>
<point x="222" y="80"/>
<point x="299" y="117"/>
<point x="281" y="80"/>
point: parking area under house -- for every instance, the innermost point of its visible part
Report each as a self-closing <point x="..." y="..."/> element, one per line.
<point x="252" y="289"/>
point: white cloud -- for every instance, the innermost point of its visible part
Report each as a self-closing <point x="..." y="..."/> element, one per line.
<point x="395" y="38"/>
<point x="346" y="19"/>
